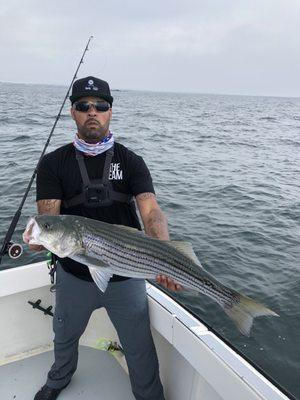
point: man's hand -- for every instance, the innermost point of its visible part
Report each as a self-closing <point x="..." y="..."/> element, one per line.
<point x="168" y="283"/>
<point x="36" y="247"/>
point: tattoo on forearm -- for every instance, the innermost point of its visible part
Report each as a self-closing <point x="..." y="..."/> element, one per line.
<point x="50" y="206"/>
<point x="157" y="225"/>
<point x="145" y="196"/>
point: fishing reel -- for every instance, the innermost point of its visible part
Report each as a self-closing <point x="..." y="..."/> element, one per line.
<point x="14" y="250"/>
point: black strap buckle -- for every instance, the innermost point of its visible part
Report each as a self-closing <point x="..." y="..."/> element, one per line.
<point x="96" y="194"/>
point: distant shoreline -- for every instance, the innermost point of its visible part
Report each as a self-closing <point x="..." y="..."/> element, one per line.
<point x="160" y="91"/>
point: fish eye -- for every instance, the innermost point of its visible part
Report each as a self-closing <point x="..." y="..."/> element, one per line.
<point x="47" y="226"/>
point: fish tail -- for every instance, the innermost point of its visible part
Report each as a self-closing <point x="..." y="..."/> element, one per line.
<point x="244" y="311"/>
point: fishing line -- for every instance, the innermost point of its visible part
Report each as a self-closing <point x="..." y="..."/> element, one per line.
<point x="15" y="250"/>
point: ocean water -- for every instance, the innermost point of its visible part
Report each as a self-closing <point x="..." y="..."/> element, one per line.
<point x="226" y="173"/>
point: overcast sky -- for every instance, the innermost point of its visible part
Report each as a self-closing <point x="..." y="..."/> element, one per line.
<point x="206" y="46"/>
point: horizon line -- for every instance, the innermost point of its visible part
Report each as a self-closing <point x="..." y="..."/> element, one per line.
<point x="163" y="91"/>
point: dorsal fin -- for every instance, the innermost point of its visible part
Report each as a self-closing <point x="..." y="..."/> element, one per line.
<point x="186" y="248"/>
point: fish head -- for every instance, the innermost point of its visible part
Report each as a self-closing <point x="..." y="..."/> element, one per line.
<point x="60" y="234"/>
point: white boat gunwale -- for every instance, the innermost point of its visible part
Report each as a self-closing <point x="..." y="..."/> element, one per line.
<point x="245" y="368"/>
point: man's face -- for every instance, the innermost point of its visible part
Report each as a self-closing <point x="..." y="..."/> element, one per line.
<point x="92" y="125"/>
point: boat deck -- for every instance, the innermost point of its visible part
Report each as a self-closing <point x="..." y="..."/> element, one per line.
<point x="99" y="376"/>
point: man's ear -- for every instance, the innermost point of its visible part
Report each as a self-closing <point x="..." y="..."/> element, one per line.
<point x="72" y="112"/>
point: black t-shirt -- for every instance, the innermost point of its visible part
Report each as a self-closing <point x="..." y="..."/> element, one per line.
<point x="59" y="177"/>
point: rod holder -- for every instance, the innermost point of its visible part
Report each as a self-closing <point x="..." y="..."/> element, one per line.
<point x="46" y="311"/>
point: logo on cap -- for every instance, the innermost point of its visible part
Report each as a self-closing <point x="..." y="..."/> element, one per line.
<point x="91" y="85"/>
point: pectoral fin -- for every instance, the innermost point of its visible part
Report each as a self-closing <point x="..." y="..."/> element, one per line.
<point x="99" y="270"/>
<point x="101" y="277"/>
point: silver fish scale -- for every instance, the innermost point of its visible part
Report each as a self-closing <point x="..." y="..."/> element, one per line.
<point x="135" y="255"/>
<point x="124" y="261"/>
<point x="150" y="246"/>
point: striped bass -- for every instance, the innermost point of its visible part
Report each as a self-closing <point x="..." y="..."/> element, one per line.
<point x="109" y="249"/>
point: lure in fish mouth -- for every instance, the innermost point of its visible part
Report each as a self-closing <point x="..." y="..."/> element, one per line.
<point x="108" y="249"/>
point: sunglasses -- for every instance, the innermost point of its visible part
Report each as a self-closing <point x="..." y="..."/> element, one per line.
<point x="84" y="106"/>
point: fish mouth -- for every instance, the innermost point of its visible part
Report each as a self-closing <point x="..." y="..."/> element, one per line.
<point x="32" y="232"/>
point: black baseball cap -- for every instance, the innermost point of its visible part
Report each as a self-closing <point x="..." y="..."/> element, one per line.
<point x="91" y="86"/>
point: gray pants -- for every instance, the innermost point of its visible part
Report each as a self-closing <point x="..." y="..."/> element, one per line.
<point x="127" y="306"/>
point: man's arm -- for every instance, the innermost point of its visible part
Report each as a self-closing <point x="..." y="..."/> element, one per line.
<point x="156" y="225"/>
<point x="49" y="207"/>
<point x="154" y="220"/>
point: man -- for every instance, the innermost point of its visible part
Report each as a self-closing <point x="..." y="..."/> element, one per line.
<point x="98" y="178"/>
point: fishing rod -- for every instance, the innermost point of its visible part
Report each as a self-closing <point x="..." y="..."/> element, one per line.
<point x="15" y="250"/>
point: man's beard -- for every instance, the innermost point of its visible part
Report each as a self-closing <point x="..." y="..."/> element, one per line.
<point x="92" y="135"/>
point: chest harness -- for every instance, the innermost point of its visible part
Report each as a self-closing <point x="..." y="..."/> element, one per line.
<point x="96" y="192"/>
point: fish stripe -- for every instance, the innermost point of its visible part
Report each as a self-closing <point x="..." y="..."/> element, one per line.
<point x="117" y="254"/>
